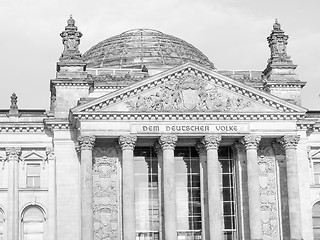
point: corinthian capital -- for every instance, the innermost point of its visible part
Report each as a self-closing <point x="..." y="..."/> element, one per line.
<point x="211" y="141"/>
<point x="13" y="153"/>
<point x="86" y="142"/>
<point x="127" y="142"/>
<point x="251" y="141"/>
<point x="168" y="141"/>
<point x="289" y="141"/>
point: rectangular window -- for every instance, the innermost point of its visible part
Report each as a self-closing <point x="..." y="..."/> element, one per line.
<point x="316" y="172"/>
<point x="146" y="193"/>
<point x="33" y="175"/>
<point x="188" y="199"/>
<point x="228" y="193"/>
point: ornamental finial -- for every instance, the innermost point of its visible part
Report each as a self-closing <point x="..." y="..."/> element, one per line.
<point x="276" y="25"/>
<point x="278" y="46"/>
<point x="71" y="41"/>
<point x="14" y="101"/>
<point x="14" y="107"/>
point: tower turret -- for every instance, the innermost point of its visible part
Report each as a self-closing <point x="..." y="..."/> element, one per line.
<point x="71" y="64"/>
<point x="71" y="83"/>
<point x="280" y="77"/>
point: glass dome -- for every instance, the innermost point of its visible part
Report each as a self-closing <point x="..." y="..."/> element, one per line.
<point x="143" y="47"/>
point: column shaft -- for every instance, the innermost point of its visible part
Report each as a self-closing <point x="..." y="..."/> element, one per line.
<point x="203" y="191"/>
<point x="86" y="145"/>
<point x="214" y="192"/>
<point x="169" y="188"/>
<point x="251" y="143"/>
<point x="127" y="144"/>
<point x="290" y="144"/>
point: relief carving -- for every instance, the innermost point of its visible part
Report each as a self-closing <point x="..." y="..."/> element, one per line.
<point x="188" y="93"/>
<point x="105" y="194"/>
<point x="268" y="193"/>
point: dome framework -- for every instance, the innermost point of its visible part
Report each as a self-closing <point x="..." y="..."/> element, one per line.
<point x="143" y="47"/>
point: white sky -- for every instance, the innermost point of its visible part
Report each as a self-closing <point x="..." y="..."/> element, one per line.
<point x="232" y="33"/>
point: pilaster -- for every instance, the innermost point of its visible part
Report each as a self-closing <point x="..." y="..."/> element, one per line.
<point x="13" y="155"/>
<point x="52" y="206"/>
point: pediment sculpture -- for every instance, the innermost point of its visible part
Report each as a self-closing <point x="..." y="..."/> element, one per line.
<point x="189" y="93"/>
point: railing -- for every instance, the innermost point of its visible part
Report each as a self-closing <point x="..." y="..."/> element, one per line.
<point x="147" y="236"/>
<point x="189" y="235"/>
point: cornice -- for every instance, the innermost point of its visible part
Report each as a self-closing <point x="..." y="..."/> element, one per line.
<point x="58" y="124"/>
<point x="68" y="82"/>
<point x="33" y="127"/>
<point x="186" y="116"/>
<point x="286" y="84"/>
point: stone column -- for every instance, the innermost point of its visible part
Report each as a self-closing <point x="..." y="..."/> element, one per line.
<point x="86" y="144"/>
<point x="214" y="192"/>
<point x="52" y="234"/>
<point x="13" y="154"/>
<point x="127" y="144"/>
<point x="168" y="143"/>
<point x="290" y="145"/>
<point x="251" y="143"/>
<point x="203" y="190"/>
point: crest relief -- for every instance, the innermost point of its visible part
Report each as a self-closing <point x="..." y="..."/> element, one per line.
<point x="188" y="93"/>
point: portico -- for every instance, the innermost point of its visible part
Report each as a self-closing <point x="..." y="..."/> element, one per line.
<point x="216" y="205"/>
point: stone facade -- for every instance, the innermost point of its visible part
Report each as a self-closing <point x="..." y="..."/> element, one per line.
<point x="133" y="142"/>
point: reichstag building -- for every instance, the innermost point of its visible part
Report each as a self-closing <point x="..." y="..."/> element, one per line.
<point x="146" y="140"/>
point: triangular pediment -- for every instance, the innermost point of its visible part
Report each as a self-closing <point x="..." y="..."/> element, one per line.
<point x="33" y="155"/>
<point x="189" y="88"/>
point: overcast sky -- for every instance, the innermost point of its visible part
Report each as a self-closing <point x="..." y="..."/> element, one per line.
<point x="232" y="33"/>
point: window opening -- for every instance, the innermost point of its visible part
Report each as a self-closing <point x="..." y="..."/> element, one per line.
<point x="33" y="175"/>
<point x="146" y="193"/>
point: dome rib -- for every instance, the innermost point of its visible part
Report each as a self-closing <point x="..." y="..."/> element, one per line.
<point x="143" y="47"/>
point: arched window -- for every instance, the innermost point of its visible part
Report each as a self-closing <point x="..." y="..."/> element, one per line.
<point x="316" y="220"/>
<point x="32" y="223"/>
<point x="1" y="224"/>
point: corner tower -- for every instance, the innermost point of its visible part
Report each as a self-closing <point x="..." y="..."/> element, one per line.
<point x="71" y="81"/>
<point x="280" y="77"/>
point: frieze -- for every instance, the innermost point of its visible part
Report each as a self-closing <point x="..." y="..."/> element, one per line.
<point x="188" y="93"/>
<point x="190" y="128"/>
